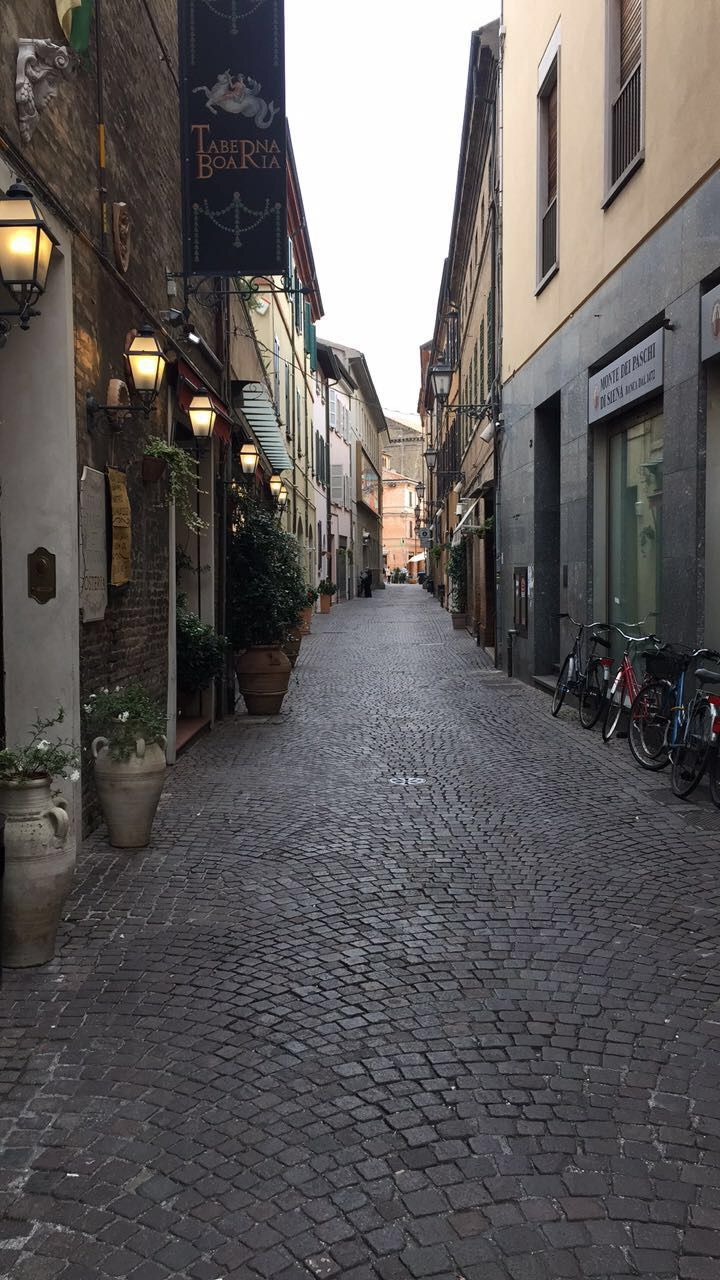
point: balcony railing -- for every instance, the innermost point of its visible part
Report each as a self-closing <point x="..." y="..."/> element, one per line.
<point x="626" y="121"/>
<point x="549" y="239"/>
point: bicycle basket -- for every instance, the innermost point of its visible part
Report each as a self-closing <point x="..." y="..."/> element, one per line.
<point x="664" y="664"/>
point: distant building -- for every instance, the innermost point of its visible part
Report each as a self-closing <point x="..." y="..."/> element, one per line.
<point x="400" y="536"/>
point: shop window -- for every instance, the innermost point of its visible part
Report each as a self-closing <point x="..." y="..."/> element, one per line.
<point x="634" y="523"/>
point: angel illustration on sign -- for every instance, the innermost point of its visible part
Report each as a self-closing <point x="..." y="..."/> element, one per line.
<point x="239" y="96"/>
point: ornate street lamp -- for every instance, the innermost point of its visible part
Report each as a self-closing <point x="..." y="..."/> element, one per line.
<point x="26" y="245"/>
<point x="431" y="456"/>
<point x="282" y="498"/>
<point x="147" y="362"/>
<point x="420" y="489"/>
<point x="441" y="377"/>
<point x="249" y="457"/>
<point x="276" y="485"/>
<point x="202" y="415"/>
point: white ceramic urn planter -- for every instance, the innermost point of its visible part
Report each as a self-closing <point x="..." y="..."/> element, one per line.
<point x="129" y="790"/>
<point x="38" y="871"/>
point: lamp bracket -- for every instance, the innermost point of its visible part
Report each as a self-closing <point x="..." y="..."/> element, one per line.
<point x="113" y="415"/>
<point x="205" y="291"/>
<point x="24" y="315"/>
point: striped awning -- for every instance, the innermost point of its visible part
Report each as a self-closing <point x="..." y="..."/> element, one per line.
<point x="257" y="405"/>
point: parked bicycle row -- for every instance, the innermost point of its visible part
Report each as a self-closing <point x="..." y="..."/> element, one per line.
<point x="667" y="723"/>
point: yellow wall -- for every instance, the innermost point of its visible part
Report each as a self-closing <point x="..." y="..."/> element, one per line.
<point x="682" y="110"/>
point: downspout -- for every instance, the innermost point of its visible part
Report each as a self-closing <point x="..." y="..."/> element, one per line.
<point x="328" y="494"/>
<point x="496" y="398"/>
<point x="102" y="172"/>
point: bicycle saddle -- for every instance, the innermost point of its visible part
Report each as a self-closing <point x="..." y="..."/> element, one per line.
<point x="703" y="676"/>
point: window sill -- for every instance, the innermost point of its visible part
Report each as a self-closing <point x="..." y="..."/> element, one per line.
<point x="624" y="177"/>
<point x="547" y="277"/>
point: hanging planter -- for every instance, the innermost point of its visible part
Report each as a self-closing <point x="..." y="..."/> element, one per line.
<point x="153" y="469"/>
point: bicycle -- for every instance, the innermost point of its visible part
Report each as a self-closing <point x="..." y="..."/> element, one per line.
<point x="587" y="681"/>
<point x="625" y="686"/>
<point x="657" y="715"/>
<point x="700" y="737"/>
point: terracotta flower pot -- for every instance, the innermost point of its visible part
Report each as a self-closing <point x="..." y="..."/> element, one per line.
<point x="459" y="620"/>
<point x="305" y="621"/>
<point x="129" y="791"/>
<point x="153" y="469"/>
<point x="291" y="647"/>
<point x="38" y="871"/>
<point x="263" y="673"/>
<point x="325" y="603"/>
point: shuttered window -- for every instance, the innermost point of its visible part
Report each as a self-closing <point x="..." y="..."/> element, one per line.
<point x="630" y="37"/>
<point x="336" y="484"/>
<point x="552" y="143"/>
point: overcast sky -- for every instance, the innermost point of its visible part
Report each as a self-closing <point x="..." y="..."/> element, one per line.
<point x="375" y="99"/>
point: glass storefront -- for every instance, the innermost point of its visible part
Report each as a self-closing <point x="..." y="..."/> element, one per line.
<point x="635" y="458"/>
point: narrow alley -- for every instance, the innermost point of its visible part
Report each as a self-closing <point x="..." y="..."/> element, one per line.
<point x="412" y="981"/>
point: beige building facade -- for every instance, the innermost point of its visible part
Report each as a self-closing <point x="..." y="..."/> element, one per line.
<point x="610" y="187"/>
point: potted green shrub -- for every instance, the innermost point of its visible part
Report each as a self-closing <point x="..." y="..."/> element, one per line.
<point x="266" y="592"/>
<point x="457" y="573"/>
<point x="38" y="863"/>
<point x="200" y="652"/>
<point x="306" y="612"/>
<point x="127" y="728"/>
<point x="327" y="590"/>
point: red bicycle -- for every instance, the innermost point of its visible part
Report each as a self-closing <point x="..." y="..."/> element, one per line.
<point x="625" y="686"/>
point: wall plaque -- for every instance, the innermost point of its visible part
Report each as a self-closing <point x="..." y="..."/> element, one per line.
<point x="637" y="373"/>
<point x="120" y="528"/>
<point x="93" y="545"/>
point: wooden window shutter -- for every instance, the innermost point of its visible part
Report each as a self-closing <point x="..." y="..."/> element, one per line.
<point x="552" y="143"/>
<point x="630" y="37"/>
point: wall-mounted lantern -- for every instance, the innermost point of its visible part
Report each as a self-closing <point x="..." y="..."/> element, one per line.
<point x="146" y="360"/>
<point x="26" y="245"/>
<point x="276" y="485"/>
<point x="282" y="498"/>
<point x="202" y="415"/>
<point x="249" y="458"/>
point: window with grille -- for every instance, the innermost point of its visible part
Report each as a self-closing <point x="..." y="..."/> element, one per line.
<point x="624" y="124"/>
<point x="548" y="173"/>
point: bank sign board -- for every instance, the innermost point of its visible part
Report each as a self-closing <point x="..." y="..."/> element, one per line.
<point x="233" y="137"/>
<point x="637" y="373"/>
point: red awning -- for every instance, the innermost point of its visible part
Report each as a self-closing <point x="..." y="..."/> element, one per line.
<point x="189" y="383"/>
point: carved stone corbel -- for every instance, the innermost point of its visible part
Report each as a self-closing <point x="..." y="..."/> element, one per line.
<point x="41" y="65"/>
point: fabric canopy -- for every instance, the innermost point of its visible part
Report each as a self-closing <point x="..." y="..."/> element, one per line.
<point x="471" y="508"/>
<point x="414" y="558"/>
<point x="260" y="411"/>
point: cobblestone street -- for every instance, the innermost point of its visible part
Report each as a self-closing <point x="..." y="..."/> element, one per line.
<point x="414" y="981"/>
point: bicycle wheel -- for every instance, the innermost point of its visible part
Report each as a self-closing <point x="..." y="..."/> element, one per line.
<point x="690" y="756"/>
<point x="714" y="772"/>
<point x="613" y="713"/>
<point x="561" y="687"/>
<point x="592" y="699"/>
<point x="649" y="724"/>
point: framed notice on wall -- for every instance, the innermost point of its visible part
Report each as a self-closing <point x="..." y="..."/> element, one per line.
<point x="93" y="545"/>
<point x="120" y="528"/>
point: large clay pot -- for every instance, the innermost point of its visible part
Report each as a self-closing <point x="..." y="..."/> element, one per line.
<point x="291" y="647"/>
<point x="459" y="620"/>
<point x="305" y="621"/>
<point x="129" y="791"/>
<point x="38" y="871"/>
<point x="263" y="673"/>
<point x="325" y="603"/>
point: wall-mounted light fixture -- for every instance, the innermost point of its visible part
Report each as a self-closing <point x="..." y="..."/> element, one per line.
<point x="420" y="490"/>
<point x="282" y="498"/>
<point x="147" y="362"/>
<point x="276" y="485"/>
<point x="249" y="458"/>
<point x="441" y="378"/>
<point x="202" y="415"/>
<point x="26" y="245"/>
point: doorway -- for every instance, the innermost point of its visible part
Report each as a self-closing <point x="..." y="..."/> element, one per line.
<point x="634" y="522"/>
<point x="545" y="598"/>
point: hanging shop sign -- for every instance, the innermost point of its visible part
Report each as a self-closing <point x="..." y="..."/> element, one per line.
<point x="234" y="151"/>
<point x="637" y="373"/>
<point x="710" y="325"/>
<point x="93" y="546"/>
<point x="121" y="552"/>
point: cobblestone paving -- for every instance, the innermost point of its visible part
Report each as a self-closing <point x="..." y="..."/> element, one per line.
<point x="334" y="1025"/>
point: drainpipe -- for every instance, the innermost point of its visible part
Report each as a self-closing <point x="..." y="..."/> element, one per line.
<point x="102" y="175"/>
<point x="496" y="396"/>
<point x="328" y="495"/>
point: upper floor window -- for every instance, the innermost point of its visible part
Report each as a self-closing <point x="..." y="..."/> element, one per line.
<point x="624" y="117"/>
<point x="276" y="370"/>
<point x="548" y="173"/>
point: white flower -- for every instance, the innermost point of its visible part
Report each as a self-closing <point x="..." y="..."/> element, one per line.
<point x="104" y="690"/>
<point x="87" y="707"/>
<point x="43" y="745"/>
<point x="124" y="715"/>
<point x="74" y="775"/>
<point x="117" y="688"/>
<point x="93" y="696"/>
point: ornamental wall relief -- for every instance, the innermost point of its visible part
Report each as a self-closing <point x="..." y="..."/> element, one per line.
<point x="41" y="66"/>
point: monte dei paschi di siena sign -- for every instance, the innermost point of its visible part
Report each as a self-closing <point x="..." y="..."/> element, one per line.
<point x="636" y="373"/>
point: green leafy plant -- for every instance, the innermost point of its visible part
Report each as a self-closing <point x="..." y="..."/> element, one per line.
<point x="326" y="587"/>
<point x="266" y="585"/>
<point x="312" y="595"/>
<point x="437" y="551"/>
<point x="200" y="652"/>
<point x="182" y="478"/>
<point x="41" y="757"/>
<point x="457" y="562"/>
<point x="122" y="717"/>
<point x="478" y="530"/>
